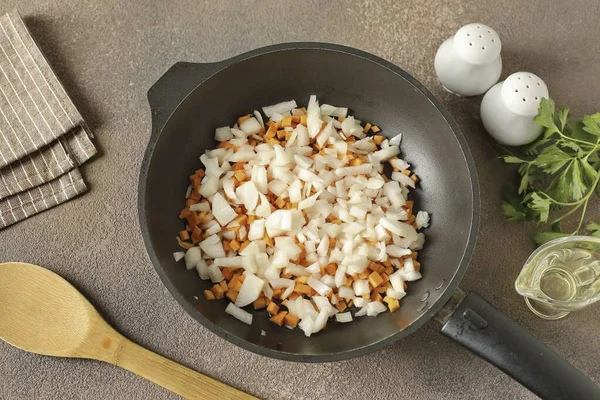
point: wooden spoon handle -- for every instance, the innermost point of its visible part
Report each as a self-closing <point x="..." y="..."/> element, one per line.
<point x="173" y="376"/>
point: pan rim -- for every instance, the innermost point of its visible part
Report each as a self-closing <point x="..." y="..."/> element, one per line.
<point x="359" y="351"/>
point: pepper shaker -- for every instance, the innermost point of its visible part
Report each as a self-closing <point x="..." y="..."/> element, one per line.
<point x="508" y="109"/>
<point x="469" y="63"/>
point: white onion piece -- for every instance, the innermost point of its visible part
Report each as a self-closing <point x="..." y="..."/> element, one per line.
<point x="394" y="194"/>
<point x="203" y="206"/>
<point x="375" y="307"/>
<point x="307" y="325"/>
<point x="178" y="255"/>
<point x="249" y="263"/>
<point x="302" y="161"/>
<point x="386" y="153"/>
<point x="319" y="286"/>
<point x="340" y="276"/>
<point x="239" y="314"/>
<point x="223" y="134"/>
<point x="188" y="192"/>
<point x="230" y="262"/>
<point x="250" y="290"/>
<point x="222" y="211"/>
<point x="209" y="186"/>
<point x="343" y="317"/>
<point x="313" y="117"/>
<point x="325" y="134"/>
<point x="396" y="251"/>
<point x="422" y="219"/>
<point x="214" y="272"/>
<point x="350" y="127"/>
<point x="327" y="109"/>
<point x="418" y="244"/>
<point x="346" y="293"/>
<point x="320" y="321"/>
<point x="403" y="179"/>
<point x="281" y="222"/>
<point x="362" y="312"/>
<point x="394" y="294"/>
<point x="360" y="302"/>
<point x="399" y="164"/>
<point x="279" y="108"/>
<point x="399" y="228"/>
<point x="361" y="287"/>
<point x="212" y="247"/>
<point x="202" y="269"/>
<point x="296" y="270"/>
<point x="302" y="135"/>
<point x="248" y="195"/>
<point x="395" y="141"/>
<point x="229" y="189"/>
<point x="260" y="120"/>
<point x="397" y="282"/>
<point x="250" y="126"/>
<point x="355" y="170"/>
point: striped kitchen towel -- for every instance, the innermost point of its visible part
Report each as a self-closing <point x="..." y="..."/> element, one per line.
<point x="43" y="137"/>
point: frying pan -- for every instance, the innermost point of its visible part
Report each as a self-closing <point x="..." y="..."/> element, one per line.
<point x="190" y="100"/>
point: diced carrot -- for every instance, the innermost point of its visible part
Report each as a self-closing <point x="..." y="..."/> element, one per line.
<point x="231" y="295"/>
<point x="218" y="291"/>
<point x="302" y="279"/>
<point x="281" y="134"/>
<point x="406" y="172"/>
<point x="234" y="245"/>
<point x="302" y="288"/>
<point x="376" y="296"/>
<point x="209" y="295"/>
<point x="238" y="285"/>
<point x="296" y="119"/>
<point x="226" y="245"/>
<point x="271" y="132"/>
<point x="184" y="213"/>
<point x="393" y="304"/>
<point x="224" y="285"/>
<point x="331" y="268"/>
<point x="184" y="235"/>
<point x="238" y="166"/>
<point x="272" y="308"/>
<point x="389" y="270"/>
<point x="375" y="279"/>
<point x="196" y="234"/>
<point x="260" y="303"/>
<point x="190" y="202"/>
<point x="184" y="245"/>
<point x="341" y="305"/>
<point x="280" y="203"/>
<point x="293" y="296"/>
<point x="278" y="319"/>
<point x="243" y="246"/>
<point x="375" y="129"/>
<point x="348" y="282"/>
<point x="303" y="120"/>
<point x="291" y="320"/>
<point x="367" y="127"/>
<point x="341" y="119"/>
<point x="251" y="219"/>
<point x="227" y="273"/>
<point x="240" y="175"/>
<point x="273" y="141"/>
<point x="378" y="139"/>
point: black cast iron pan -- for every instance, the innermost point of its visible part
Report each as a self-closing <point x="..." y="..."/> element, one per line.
<point x="190" y="100"/>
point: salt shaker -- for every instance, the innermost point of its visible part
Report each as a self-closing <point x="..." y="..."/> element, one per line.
<point x="469" y="63"/>
<point x="508" y="109"/>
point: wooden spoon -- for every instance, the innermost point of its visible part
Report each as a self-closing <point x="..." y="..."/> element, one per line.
<point x="42" y="313"/>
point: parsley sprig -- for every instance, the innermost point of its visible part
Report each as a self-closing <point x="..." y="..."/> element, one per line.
<point x="559" y="174"/>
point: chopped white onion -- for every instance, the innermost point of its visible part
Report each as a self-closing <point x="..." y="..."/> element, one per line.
<point x="238" y="313"/>
<point x="279" y="108"/>
<point x="192" y="256"/>
<point x="375" y="307"/>
<point x="222" y="211"/>
<point x="422" y="219"/>
<point x="178" y="255"/>
<point x="215" y="274"/>
<point x="361" y="287"/>
<point x="250" y="290"/>
<point x="223" y="134"/>
<point x="343" y="317"/>
<point x="319" y="286"/>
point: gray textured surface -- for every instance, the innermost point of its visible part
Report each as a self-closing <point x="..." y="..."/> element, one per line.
<point x="109" y="53"/>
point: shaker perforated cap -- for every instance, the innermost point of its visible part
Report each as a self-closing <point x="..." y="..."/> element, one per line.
<point x="477" y="43"/>
<point x="522" y="93"/>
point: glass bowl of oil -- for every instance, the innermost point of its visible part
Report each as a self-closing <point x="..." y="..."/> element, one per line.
<point x="561" y="276"/>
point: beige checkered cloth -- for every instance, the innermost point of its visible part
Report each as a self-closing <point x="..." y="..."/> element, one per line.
<point x="43" y="137"/>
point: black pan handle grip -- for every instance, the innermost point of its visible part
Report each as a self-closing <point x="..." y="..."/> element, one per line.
<point x="481" y="328"/>
<point x="175" y="84"/>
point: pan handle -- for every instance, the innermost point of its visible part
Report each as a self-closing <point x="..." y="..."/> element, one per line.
<point x="481" y="328"/>
<point x="175" y="84"/>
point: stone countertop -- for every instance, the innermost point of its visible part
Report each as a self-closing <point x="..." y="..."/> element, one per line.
<point x="108" y="54"/>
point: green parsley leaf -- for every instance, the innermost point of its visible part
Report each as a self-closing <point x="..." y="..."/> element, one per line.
<point x="594" y="229"/>
<point x="543" y="237"/>
<point x="558" y="172"/>
<point x="541" y="205"/>
<point x="590" y="124"/>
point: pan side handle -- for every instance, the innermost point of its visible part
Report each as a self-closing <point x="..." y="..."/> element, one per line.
<point x="481" y="328"/>
<point x="175" y="84"/>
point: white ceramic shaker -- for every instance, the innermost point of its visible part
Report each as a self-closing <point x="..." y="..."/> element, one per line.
<point x="509" y="108"/>
<point x="469" y="63"/>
